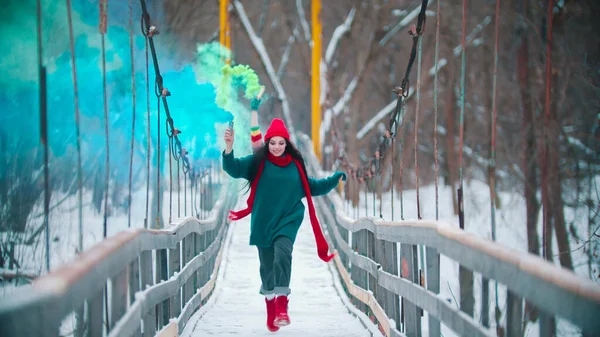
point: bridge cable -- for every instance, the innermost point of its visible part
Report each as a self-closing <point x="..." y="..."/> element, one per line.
<point x="402" y="133"/>
<point x="435" y="108"/>
<point x="103" y="22"/>
<point x="103" y="6"/>
<point x="148" y="130"/>
<point x="178" y="192"/>
<point x="416" y="147"/>
<point x="461" y="208"/>
<point x="162" y="93"/>
<point x="416" y="127"/>
<point x="158" y="168"/>
<point x="185" y="195"/>
<point x="43" y="128"/>
<point x="170" y="180"/>
<point x="545" y="138"/>
<point x="77" y="127"/>
<point x="368" y="170"/>
<point x="493" y="150"/>
<point x="194" y="192"/>
<point x="392" y="177"/>
<point x="133" y="110"/>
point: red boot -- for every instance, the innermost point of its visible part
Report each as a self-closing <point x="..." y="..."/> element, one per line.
<point x="281" y="314"/>
<point x="271" y="315"/>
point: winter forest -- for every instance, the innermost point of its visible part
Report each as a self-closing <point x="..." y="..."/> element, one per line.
<point x="518" y="116"/>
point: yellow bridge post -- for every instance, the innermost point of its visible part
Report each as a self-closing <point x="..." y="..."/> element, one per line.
<point x="316" y="76"/>
<point x="224" y="35"/>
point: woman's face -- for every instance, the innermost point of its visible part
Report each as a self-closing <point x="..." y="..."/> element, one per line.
<point x="277" y="146"/>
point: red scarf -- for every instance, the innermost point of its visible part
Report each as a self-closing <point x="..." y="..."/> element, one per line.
<point x="322" y="247"/>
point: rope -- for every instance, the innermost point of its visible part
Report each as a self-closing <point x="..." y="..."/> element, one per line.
<point x="416" y="128"/>
<point x="77" y="127"/>
<point x="158" y="149"/>
<point x="493" y="150"/>
<point x="392" y="179"/>
<point x="402" y="164"/>
<point x="545" y="146"/>
<point x="373" y="166"/>
<point x="178" y="192"/>
<point x="133" y="93"/>
<point x="461" y="209"/>
<point x="43" y="129"/>
<point x="170" y="181"/>
<point x="148" y="144"/>
<point x="175" y="148"/>
<point x="103" y="23"/>
<point x="185" y="195"/>
<point x="435" y="109"/>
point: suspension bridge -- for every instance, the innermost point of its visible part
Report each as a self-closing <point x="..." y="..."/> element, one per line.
<point x="196" y="275"/>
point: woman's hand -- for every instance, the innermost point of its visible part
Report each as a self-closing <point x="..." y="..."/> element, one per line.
<point x="228" y="140"/>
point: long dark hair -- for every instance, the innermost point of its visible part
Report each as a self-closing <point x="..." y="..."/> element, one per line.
<point x="261" y="155"/>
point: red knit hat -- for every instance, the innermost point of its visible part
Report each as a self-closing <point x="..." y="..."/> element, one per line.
<point x="277" y="128"/>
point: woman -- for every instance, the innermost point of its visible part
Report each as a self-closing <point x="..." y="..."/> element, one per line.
<point x="278" y="182"/>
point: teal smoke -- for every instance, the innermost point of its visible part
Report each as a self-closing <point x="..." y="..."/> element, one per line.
<point x="191" y="104"/>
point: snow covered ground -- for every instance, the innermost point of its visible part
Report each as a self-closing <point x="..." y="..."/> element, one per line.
<point x="318" y="307"/>
<point x="511" y="232"/>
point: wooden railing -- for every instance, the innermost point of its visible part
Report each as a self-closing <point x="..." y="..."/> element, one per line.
<point x="367" y="261"/>
<point x="139" y="301"/>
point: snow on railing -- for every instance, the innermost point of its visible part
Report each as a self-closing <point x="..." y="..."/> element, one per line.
<point x="374" y="279"/>
<point x="126" y="259"/>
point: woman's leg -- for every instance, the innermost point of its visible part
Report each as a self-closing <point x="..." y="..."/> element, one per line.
<point x="265" y="256"/>
<point x="282" y="269"/>
<point x="282" y="264"/>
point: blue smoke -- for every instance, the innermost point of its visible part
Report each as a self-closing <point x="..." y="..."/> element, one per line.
<point x="191" y="105"/>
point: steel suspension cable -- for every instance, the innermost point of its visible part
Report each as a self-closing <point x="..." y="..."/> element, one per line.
<point x="461" y="211"/>
<point x="178" y="192"/>
<point x="43" y="128"/>
<point x="493" y="150"/>
<point x="133" y="110"/>
<point x="158" y="169"/>
<point x="435" y="108"/>
<point x="185" y="194"/>
<point x="103" y="26"/>
<point x="77" y="127"/>
<point x="416" y="128"/>
<point x="170" y="181"/>
<point x="402" y="132"/>
<point x="148" y="130"/>
<point x="545" y="136"/>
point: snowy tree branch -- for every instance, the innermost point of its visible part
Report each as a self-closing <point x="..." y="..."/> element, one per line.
<point x="337" y="35"/>
<point x="441" y="63"/>
<point x="286" y="54"/>
<point x="400" y="25"/>
<point x="258" y="44"/>
<point x="303" y="22"/>
<point x="337" y="108"/>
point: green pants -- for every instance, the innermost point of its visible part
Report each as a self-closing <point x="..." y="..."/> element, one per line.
<point x="276" y="266"/>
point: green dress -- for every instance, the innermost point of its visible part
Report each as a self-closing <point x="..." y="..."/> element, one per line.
<point x="278" y="208"/>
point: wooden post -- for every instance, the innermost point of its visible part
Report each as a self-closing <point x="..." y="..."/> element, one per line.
<point x="174" y="267"/>
<point x="409" y="267"/>
<point x="433" y="285"/>
<point x="146" y="280"/>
